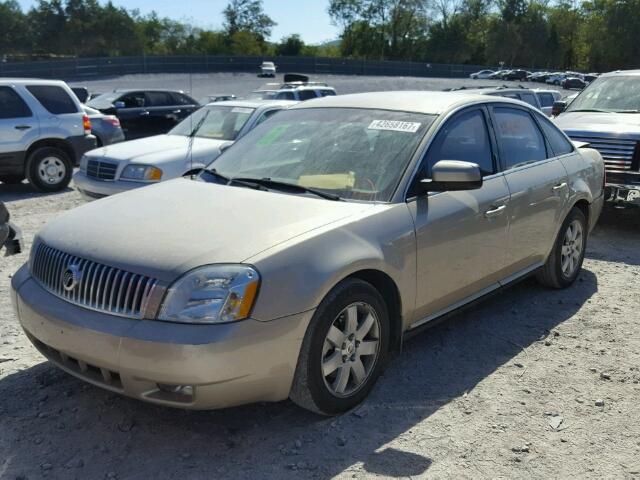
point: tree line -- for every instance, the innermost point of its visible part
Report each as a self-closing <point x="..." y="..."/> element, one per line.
<point x="590" y="35"/>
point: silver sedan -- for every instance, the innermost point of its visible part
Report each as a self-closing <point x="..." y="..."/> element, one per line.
<point x="302" y="258"/>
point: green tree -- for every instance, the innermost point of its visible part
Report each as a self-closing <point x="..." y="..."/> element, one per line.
<point x="14" y="34"/>
<point x="291" y="45"/>
<point x="247" y="15"/>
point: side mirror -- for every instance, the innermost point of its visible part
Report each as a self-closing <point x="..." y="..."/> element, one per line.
<point x="453" y="175"/>
<point x="119" y="105"/>
<point x="558" y="107"/>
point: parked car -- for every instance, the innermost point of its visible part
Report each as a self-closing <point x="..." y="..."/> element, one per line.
<point x="482" y="74"/>
<point x="295" y="87"/>
<point x="499" y="75"/>
<point x="590" y="77"/>
<point x="267" y="69"/>
<point x="143" y="113"/>
<point x="605" y="115"/>
<point x="556" y="79"/>
<point x="106" y="128"/>
<point x="218" y="97"/>
<point x="185" y="150"/>
<point x="322" y="238"/>
<point x="547" y="98"/>
<point x="518" y="93"/>
<point x="573" y="83"/>
<point x="516" y="75"/>
<point x="43" y="133"/>
<point x="10" y="235"/>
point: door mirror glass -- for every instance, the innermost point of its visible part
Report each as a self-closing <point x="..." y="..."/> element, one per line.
<point x="453" y="175"/>
<point x="119" y="104"/>
<point x="558" y="107"/>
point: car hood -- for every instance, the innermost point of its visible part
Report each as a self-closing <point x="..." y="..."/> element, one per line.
<point x="159" y="148"/>
<point x="600" y="122"/>
<point x="169" y="228"/>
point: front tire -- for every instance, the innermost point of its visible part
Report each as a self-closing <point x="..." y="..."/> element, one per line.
<point x="49" y="169"/>
<point x="344" y="349"/>
<point x="565" y="261"/>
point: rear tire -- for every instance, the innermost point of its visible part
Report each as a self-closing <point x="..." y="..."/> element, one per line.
<point x="565" y="261"/>
<point x="49" y="169"/>
<point x="12" y="179"/>
<point x="343" y="350"/>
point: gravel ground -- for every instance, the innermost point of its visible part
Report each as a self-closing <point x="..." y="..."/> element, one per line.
<point x="532" y="383"/>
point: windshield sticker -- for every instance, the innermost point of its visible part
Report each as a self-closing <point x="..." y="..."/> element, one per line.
<point x="395" y="126"/>
<point x="242" y="110"/>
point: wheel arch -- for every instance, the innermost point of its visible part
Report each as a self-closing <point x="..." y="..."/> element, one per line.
<point x="50" y="142"/>
<point x="388" y="288"/>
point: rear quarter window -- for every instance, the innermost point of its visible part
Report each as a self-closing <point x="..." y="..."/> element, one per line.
<point x="558" y="142"/>
<point x="11" y="105"/>
<point x="54" y="99"/>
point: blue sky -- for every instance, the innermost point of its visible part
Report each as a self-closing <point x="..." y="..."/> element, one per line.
<point x="309" y="18"/>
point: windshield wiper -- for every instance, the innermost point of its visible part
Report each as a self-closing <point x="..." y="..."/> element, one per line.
<point x="231" y="181"/>
<point x="598" y="110"/>
<point x="268" y="183"/>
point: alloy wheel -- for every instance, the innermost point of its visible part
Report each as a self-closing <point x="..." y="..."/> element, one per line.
<point x="572" y="247"/>
<point x="351" y="349"/>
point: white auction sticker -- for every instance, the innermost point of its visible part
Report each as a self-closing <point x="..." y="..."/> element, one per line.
<point x="395" y="126"/>
<point x="242" y="110"/>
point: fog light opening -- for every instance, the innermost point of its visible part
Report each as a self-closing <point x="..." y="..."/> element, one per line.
<point x="183" y="390"/>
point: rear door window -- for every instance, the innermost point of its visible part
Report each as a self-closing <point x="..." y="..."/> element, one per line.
<point x="285" y="96"/>
<point x="546" y="99"/>
<point x="134" y="100"/>
<point x="159" y="99"/>
<point x="181" y="99"/>
<point x="11" y="105"/>
<point x="306" y="94"/>
<point x="519" y="138"/>
<point x="529" y="98"/>
<point x="54" y="99"/>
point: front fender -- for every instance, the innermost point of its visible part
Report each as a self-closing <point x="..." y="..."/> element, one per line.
<point x="299" y="273"/>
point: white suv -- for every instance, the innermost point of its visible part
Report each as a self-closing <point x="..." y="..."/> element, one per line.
<point x="43" y="133"/>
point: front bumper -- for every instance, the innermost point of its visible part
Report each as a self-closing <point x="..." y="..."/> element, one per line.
<point x="623" y="194"/>
<point x="224" y="365"/>
<point x="81" y="144"/>
<point x="92" y="189"/>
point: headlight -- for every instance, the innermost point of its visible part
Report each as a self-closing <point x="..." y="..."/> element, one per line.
<point x="141" y="173"/>
<point x="211" y="294"/>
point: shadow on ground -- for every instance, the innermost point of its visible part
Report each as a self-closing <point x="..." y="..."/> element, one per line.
<point x="23" y="191"/>
<point x="57" y="425"/>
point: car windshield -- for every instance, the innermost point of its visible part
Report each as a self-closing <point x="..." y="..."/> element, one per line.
<point x="610" y="94"/>
<point x="357" y="154"/>
<point x="104" y="100"/>
<point x="217" y="122"/>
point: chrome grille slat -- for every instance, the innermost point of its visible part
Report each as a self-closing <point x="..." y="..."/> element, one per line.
<point x="99" y="287"/>
<point x="102" y="169"/>
<point x="617" y="153"/>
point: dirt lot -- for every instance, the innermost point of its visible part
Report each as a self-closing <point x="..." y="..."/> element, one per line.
<point x="532" y="383"/>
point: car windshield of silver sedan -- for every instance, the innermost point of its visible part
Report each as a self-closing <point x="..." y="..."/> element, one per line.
<point x="353" y="153"/>
<point x="609" y="94"/>
<point x="219" y="122"/>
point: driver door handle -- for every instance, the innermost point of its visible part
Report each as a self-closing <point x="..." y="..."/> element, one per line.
<point x="22" y="127"/>
<point x="146" y="112"/>
<point x="494" y="212"/>
<point x="177" y="111"/>
<point x="559" y="186"/>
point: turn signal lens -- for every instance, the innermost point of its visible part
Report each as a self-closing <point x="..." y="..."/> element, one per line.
<point x="86" y="124"/>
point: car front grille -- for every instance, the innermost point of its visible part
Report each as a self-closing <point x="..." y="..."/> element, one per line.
<point x="102" y="169"/>
<point x="90" y="284"/>
<point x="618" y="154"/>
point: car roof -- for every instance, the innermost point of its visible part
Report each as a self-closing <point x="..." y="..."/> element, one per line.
<point x="29" y="81"/>
<point x="127" y="90"/>
<point x="253" y="103"/>
<point x="490" y="90"/>
<point x="427" y="102"/>
<point x="629" y="73"/>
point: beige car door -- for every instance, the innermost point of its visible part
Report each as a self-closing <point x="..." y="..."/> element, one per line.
<point x="461" y="236"/>
<point x="538" y="185"/>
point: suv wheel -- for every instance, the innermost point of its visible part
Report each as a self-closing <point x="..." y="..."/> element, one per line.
<point x="343" y="351"/>
<point x="565" y="261"/>
<point x="49" y="169"/>
<point x="12" y="179"/>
